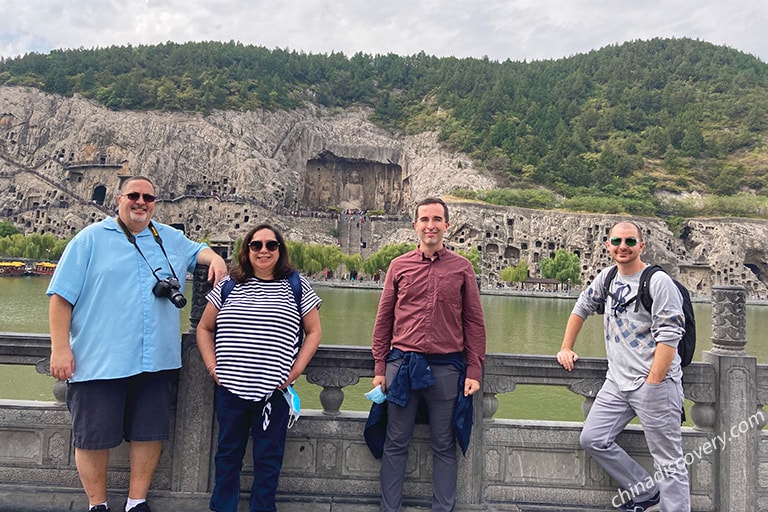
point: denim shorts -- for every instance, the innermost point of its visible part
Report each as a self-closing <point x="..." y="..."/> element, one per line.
<point x="136" y="408"/>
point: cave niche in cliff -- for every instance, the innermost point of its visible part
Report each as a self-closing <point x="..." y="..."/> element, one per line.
<point x="756" y="261"/>
<point x="352" y="184"/>
<point x="512" y="253"/>
<point x="99" y="194"/>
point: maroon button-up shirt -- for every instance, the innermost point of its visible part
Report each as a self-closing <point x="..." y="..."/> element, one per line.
<point x="431" y="306"/>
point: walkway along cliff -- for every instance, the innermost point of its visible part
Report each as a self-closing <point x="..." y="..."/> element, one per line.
<point x="511" y="465"/>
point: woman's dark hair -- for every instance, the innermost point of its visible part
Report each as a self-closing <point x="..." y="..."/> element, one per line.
<point x="244" y="271"/>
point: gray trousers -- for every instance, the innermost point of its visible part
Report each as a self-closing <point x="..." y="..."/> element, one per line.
<point x="441" y="401"/>
<point x="658" y="408"/>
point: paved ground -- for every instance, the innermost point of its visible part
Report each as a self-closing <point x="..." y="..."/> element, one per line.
<point x="75" y="502"/>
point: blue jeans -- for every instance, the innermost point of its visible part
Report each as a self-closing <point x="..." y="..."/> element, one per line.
<point x="266" y="423"/>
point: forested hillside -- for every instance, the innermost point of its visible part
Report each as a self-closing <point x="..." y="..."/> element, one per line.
<point x="604" y="131"/>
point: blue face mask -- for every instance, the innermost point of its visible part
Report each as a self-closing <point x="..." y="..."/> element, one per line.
<point x="294" y="405"/>
<point x="376" y="395"/>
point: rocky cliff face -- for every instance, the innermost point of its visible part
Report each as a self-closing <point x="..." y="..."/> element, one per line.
<point x="62" y="162"/>
<point x="711" y="252"/>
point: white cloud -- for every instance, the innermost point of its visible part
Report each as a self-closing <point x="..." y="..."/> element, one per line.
<point x="500" y="29"/>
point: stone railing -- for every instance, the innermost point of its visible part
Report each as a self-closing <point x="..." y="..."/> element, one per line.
<point x="511" y="464"/>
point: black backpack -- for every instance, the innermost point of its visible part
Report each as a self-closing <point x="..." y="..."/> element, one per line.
<point x="687" y="344"/>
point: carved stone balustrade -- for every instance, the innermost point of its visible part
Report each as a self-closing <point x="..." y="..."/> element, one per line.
<point x="510" y="465"/>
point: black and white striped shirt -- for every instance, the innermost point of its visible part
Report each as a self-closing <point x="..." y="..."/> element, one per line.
<point x="256" y="334"/>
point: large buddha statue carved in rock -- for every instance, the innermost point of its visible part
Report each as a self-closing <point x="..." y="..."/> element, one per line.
<point x="352" y="195"/>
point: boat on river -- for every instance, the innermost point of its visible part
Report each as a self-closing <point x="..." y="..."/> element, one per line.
<point x="12" y="268"/>
<point x="43" y="268"/>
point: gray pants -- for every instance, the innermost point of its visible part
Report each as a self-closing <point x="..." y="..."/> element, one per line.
<point x="441" y="401"/>
<point x="658" y="408"/>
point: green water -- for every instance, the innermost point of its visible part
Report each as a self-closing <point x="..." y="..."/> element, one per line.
<point x="514" y="325"/>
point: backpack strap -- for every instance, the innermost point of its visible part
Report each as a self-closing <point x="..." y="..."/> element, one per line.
<point x="610" y="276"/>
<point x="644" y="291"/>
<point x="226" y="288"/>
<point x="295" y="281"/>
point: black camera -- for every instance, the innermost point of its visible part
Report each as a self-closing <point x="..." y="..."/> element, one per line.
<point x="170" y="287"/>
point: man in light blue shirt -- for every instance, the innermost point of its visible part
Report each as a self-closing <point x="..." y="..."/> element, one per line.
<point x="115" y="336"/>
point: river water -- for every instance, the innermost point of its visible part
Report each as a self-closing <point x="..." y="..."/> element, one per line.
<point x="514" y="324"/>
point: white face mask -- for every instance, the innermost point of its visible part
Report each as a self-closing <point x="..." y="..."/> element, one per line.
<point x="294" y="405"/>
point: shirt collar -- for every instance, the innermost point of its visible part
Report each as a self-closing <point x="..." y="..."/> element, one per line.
<point x="438" y="254"/>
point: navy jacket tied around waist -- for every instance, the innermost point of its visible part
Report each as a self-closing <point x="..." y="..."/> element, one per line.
<point x="414" y="373"/>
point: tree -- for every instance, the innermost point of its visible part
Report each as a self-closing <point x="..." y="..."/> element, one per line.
<point x="313" y="258"/>
<point x="473" y="255"/>
<point x="7" y="229"/>
<point x="565" y="267"/>
<point x="33" y="247"/>
<point x="516" y="274"/>
<point x="352" y="262"/>
<point x="381" y="259"/>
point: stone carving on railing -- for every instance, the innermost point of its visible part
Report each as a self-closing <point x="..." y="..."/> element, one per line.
<point x="43" y="367"/>
<point x="703" y="409"/>
<point x="762" y="390"/>
<point x="729" y="333"/>
<point x="703" y="415"/>
<point x="729" y="329"/>
<point x="493" y="385"/>
<point x="200" y="288"/>
<point x="587" y="388"/>
<point x="332" y="381"/>
<point x="58" y="448"/>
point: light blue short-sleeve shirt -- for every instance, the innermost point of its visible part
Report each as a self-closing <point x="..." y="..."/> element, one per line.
<point x="119" y="328"/>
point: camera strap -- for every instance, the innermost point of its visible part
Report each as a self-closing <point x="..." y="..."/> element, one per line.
<point x="132" y="238"/>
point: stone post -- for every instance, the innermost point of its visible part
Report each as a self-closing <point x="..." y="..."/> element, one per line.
<point x="200" y="287"/>
<point x="192" y="447"/>
<point x="736" y="403"/>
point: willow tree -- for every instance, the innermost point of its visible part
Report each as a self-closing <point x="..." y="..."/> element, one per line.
<point x="565" y="267"/>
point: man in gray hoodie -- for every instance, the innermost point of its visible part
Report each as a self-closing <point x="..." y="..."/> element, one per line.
<point x="644" y="378"/>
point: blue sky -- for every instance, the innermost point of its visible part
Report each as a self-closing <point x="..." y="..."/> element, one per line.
<point x="499" y="29"/>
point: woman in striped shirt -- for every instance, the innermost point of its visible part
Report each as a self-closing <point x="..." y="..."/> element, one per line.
<point x="249" y="339"/>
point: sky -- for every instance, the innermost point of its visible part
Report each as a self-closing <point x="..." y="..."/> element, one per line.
<point x="519" y="30"/>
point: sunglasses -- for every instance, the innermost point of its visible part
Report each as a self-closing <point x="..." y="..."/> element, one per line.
<point x="271" y="245"/>
<point x="630" y="241"/>
<point x="134" y="196"/>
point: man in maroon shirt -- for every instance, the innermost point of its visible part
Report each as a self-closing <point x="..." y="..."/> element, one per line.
<point x="428" y="342"/>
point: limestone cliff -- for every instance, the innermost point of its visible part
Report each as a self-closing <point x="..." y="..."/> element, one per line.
<point x="62" y="162"/>
<point x="710" y="252"/>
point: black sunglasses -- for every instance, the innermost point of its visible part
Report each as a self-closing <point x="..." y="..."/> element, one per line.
<point x="271" y="245"/>
<point x="630" y="241"/>
<point x="134" y="196"/>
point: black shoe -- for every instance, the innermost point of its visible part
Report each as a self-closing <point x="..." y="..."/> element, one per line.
<point x="141" y="507"/>
<point x="99" y="508"/>
<point x="643" y="506"/>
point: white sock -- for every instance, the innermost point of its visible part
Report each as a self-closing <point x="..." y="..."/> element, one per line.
<point x="132" y="503"/>
<point x="90" y="507"/>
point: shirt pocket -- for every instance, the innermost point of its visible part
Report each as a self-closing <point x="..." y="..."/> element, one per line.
<point x="449" y="287"/>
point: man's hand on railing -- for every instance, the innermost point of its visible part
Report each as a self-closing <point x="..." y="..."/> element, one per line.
<point x="567" y="358"/>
